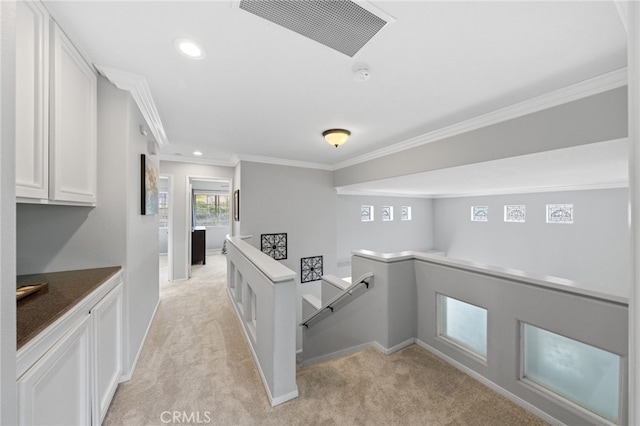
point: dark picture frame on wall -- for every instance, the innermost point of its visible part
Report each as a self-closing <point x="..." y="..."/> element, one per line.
<point x="149" y="186"/>
<point x="236" y="205"/>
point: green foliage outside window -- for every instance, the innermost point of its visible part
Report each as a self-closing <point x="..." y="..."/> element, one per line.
<point x="211" y="210"/>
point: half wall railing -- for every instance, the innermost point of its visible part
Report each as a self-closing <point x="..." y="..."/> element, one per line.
<point x="263" y="294"/>
<point x="540" y="341"/>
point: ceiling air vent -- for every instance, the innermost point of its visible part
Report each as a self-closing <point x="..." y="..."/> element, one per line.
<point x="342" y="25"/>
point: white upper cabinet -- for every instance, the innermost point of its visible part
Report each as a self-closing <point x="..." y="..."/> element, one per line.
<point x="32" y="100"/>
<point x="56" y="114"/>
<point x="73" y="130"/>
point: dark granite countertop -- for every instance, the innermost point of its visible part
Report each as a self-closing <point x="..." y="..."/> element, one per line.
<point x="39" y="310"/>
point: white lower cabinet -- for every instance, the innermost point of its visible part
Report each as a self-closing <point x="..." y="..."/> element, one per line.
<point x="75" y="378"/>
<point x="57" y="389"/>
<point x="107" y="336"/>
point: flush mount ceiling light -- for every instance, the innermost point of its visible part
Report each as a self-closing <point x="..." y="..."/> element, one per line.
<point x="336" y="137"/>
<point x="189" y="48"/>
<point x="197" y="153"/>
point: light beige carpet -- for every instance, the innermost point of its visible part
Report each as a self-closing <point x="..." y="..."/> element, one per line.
<point x="196" y="368"/>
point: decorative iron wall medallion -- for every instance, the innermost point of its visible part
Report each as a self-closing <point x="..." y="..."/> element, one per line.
<point x="310" y="269"/>
<point x="274" y="245"/>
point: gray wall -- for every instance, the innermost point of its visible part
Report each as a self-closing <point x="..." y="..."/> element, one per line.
<point x="593" y="250"/>
<point x="142" y="268"/>
<point x="385" y="237"/>
<point x="55" y="238"/>
<point x="594" y="322"/>
<point x="596" y="118"/>
<point x="181" y="219"/>
<point x="8" y="396"/>
<point x="297" y="201"/>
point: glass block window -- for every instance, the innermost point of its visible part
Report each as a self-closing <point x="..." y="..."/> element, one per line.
<point x="405" y="213"/>
<point x="366" y="213"/>
<point x="387" y="213"/>
<point x="515" y="213"/>
<point x="163" y="209"/>
<point x="479" y="213"/>
<point x="581" y="373"/>
<point x="464" y="324"/>
<point x="560" y="213"/>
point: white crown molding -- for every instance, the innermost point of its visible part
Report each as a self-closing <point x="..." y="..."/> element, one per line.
<point x="593" y="86"/>
<point x="283" y="162"/>
<point x="198" y="160"/>
<point x="566" y="188"/>
<point x="141" y="93"/>
<point x="234" y="160"/>
<point x="237" y="158"/>
<point x="341" y="191"/>
<point x="621" y="6"/>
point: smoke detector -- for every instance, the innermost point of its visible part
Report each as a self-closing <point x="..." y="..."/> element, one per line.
<point x="361" y="72"/>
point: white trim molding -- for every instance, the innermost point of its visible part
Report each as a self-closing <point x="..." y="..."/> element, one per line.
<point x="128" y="374"/>
<point x="193" y="160"/>
<point x="491" y="385"/>
<point x="621" y="6"/>
<point x="283" y="162"/>
<point x="592" y="86"/>
<point x="139" y="89"/>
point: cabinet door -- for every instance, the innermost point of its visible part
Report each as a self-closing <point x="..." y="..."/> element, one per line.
<point x="32" y="100"/>
<point x="57" y="389"/>
<point x="107" y="334"/>
<point x="73" y="133"/>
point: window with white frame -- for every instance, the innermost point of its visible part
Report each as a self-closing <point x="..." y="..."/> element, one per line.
<point x="387" y="213"/>
<point x="163" y="209"/>
<point x="463" y="324"/>
<point x="210" y="209"/>
<point x="581" y="373"/>
<point x="366" y="213"/>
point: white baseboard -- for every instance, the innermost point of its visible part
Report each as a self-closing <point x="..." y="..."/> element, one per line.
<point x="341" y="353"/>
<point x="396" y="348"/>
<point x="283" y="398"/>
<point x="491" y="385"/>
<point x="358" y="348"/>
<point x="128" y="375"/>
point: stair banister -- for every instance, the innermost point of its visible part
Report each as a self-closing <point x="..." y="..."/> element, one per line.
<point x="346" y="292"/>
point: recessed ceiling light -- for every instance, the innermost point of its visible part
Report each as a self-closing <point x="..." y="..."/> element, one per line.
<point x="198" y="153"/>
<point x="189" y="48"/>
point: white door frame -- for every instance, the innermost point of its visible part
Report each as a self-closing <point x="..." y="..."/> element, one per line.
<point x="170" y="225"/>
<point x="189" y="200"/>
